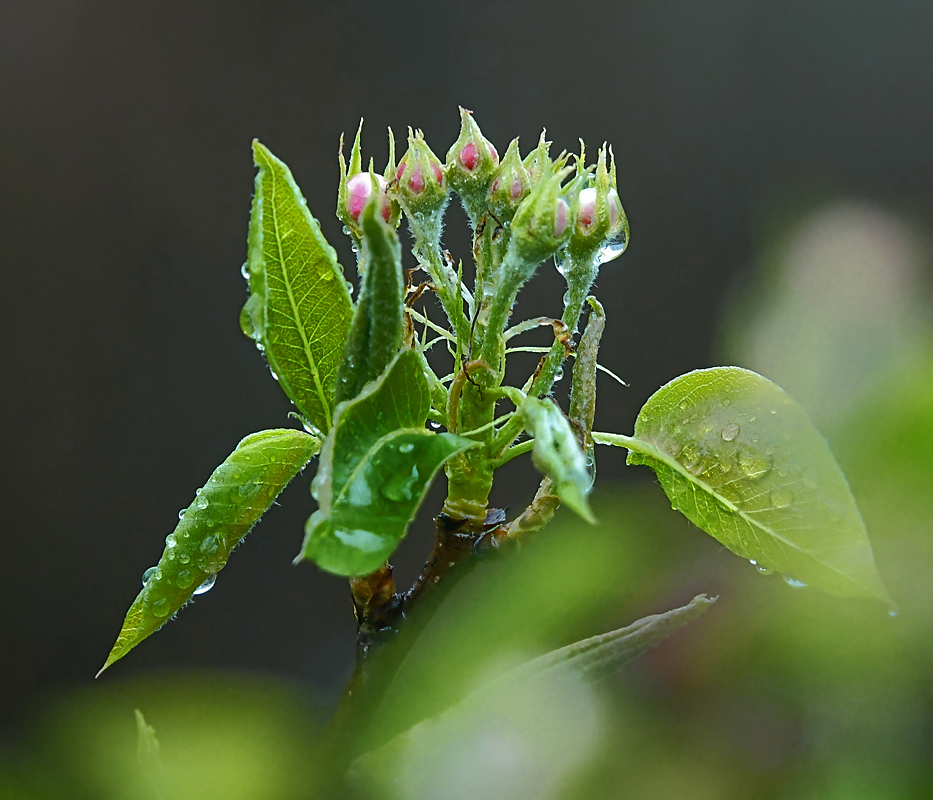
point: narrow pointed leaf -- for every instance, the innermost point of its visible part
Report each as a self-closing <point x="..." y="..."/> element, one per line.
<point x="606" y="653"/>
<point x="743" y="461"/>
<point x="379" y="317"/>
<point x="376" y="467"/>
<point x="557" y="453"/>
<point x="299" y="306"/>
<point x="223" y="512"/>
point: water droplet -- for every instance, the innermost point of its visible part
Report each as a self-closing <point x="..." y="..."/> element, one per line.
<point x="274" y="375"/>
<point x="764" y="570"/>
<point x="611" y="250"/>
<point x="892" y="612"/>
<point x="184" y="558"/>
<point x="781" y="498"/>
<point x="184" y="578"/>
<point x="406" y="448"/>
<point x="244" y="270"/>
<point x="208" y="584"/>
<point x="201" y="502"/>
<point x="794" y="582"/>
<point x="559" y="376"/>
<point x="434" y="426"/>
<point x="559" y="263"/>
<point x="690" y="458"/>
<point x="753" y="419"/>
<point x="160" y="607"/>
<point x="753" y="562"/>
<point x="182" y="513"/>
<point x="148" y="574"/>
<point x="170" y="541"/>
<point x="726" y="402"/>
<point x="774" y="411"/>
<point x="730" y="431"/>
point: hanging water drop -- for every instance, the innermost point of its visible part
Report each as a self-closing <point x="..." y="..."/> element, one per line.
<point x="244" y="270"/>
<point x="148" y="574"/>
<point x="434" y="426"/>
<point x="208" y="584"/>
<point x="181" y="513"/>
<point x="794" y="582"/>
<point x="611" y="250"/>
<point x="559" y="263"/>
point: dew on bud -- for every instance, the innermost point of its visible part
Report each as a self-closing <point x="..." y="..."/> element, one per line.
<point x="359" y="188"/>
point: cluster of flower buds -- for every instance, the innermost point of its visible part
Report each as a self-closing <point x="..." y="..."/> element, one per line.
<point x="471" y="163"/>
<point x="420" y="184"/>
<point x="356" y="186"/>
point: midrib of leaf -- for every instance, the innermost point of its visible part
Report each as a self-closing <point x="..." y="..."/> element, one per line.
<point x="295" y="309"/>
<point x="648" y="449"/>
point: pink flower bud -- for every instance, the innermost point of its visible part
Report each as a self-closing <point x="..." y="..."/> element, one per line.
<point x="359" y="188"/>
<point x="615" y="209"/>
<point x="469" y="157"/>
<point x="587" y="213"/>
<point x="561" y="213"/>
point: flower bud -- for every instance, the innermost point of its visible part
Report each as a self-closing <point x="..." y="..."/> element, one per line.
<point x="541" y="223"/>
<point x="600" y="222"/>
<point x="510" y="185"/>
<point x="356" y="186"/>
<point x="420" y="184"/>
<point x="471" y="162"/>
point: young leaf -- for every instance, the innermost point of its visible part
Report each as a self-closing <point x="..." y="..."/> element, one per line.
<point x="742" y="460"/>
<point x="557" y="454"/>
<point x="223" y="512"/>
<point x="379" y="318"/>
<point x="376" y="466"/>
<point x="299" y="306"/>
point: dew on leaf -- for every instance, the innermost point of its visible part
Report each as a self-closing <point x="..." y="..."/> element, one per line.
<point x="794" y="582"/>
<point x="148" y="574"/>
<point x="160" y="607"/>
<point x="730" y="431"/>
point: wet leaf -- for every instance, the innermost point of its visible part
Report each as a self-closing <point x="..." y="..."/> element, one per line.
<point x="376" y="467"/>
<point x="223" y="512"/>
<point x="557" y="453"/>
<point x="742" y="460"/>
<point x="299" y="306"/>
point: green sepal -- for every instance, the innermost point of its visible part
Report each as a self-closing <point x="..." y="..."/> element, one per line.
<point x="222" y="513"/>
<point x="376" y="467"/>
<point x="378" y="325"/>
<point x="299" y="306"/>
<point x="742" y="460"/>
<point x="557" y="453"/>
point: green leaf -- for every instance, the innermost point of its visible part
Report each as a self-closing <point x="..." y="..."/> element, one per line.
<point x="557" y="454"/>
<point x="299" y="306"/>
<point x="376" y="466"/>
<point x="742" y="460"/>
<point x="223" y="512"/>
<point x="379" y="318"/>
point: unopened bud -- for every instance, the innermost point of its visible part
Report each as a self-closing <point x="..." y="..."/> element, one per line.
<point x="471" y="162"/>
<point x="356" y="186"/>
<point x="420" y="185"/>
<point x="510" y="185"/>
<point x="359" y="188"/>
<point x="541" y="224"/>
<point x="600" y="218"/>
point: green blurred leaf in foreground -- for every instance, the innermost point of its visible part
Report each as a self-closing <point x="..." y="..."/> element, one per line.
<point x="223" y="512"/>
<point x="743" y="461"/>
<point x="299" y="305"/>
<point x="376" y="466"/>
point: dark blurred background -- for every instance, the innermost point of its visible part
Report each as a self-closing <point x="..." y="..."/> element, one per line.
<point x="125" y="181"/>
